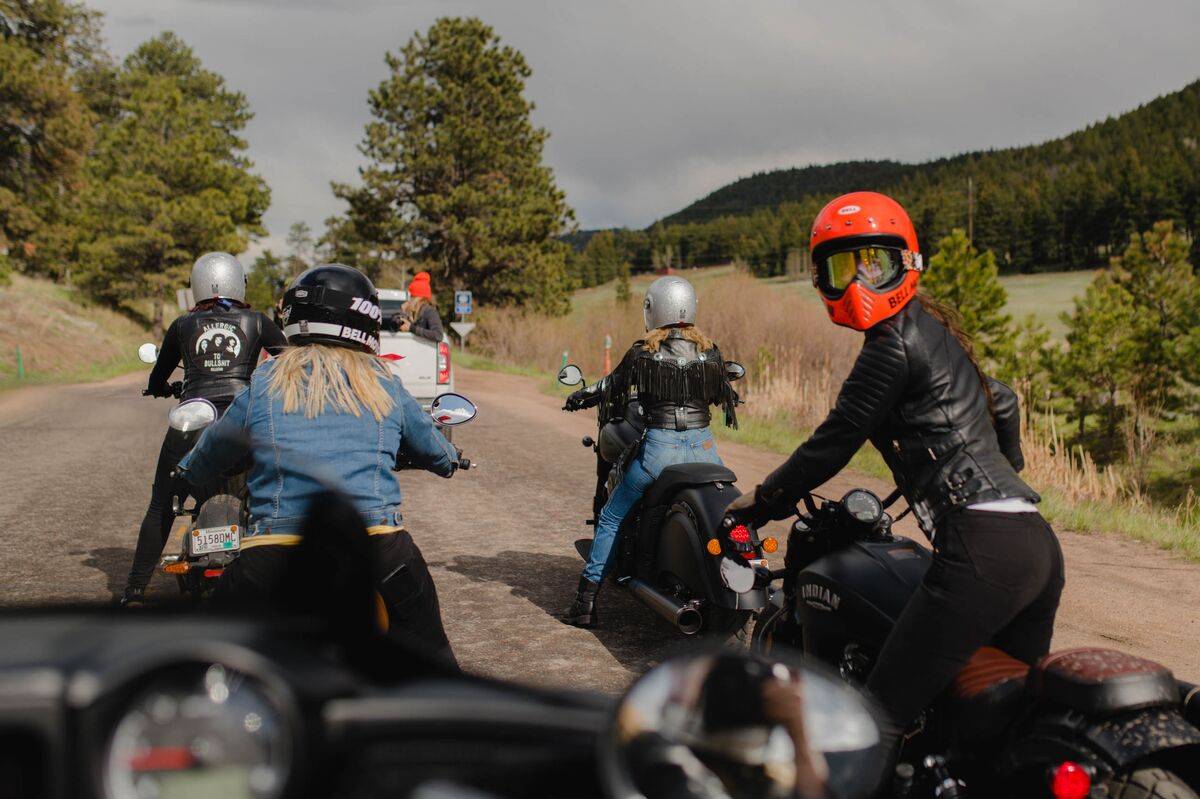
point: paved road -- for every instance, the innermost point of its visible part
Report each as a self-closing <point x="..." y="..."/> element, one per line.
<point x="77" y="464"/>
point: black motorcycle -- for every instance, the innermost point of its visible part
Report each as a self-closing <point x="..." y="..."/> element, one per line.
<point x="677" y="553"/>
<point x="1080" y="723"/>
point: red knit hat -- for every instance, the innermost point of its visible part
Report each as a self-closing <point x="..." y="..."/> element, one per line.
<point x="419" y="287"/>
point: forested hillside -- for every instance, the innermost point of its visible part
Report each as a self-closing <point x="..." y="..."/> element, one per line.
<point x="1065" y="204"/>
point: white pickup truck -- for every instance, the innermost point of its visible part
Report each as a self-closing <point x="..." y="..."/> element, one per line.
<point x="423" y="365"/>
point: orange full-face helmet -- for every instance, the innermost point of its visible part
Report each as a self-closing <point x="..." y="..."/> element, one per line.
<point x="865" y="260"/>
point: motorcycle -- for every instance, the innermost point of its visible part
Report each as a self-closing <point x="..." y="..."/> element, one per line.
<point x="677" y="552"/>
<point x="1086" y="722"/>
<point x="219" y="512"/>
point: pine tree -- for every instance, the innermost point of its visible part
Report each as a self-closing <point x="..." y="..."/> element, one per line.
<point x="266" y="281"/>
<point x="970" y="282"/>
<point x="456" y="175"/>
<point x="168" y="180"/>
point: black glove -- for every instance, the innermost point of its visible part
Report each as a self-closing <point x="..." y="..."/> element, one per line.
<point x="575" y="402"/>
<point x="758" y="509"/>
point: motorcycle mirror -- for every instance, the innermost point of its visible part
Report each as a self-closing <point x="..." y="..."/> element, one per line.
<point x="147" y="353"/>
<point x="754" y="726"/>
<point x="570" y="375"/>
<point x="192" y="415"/>
<point x="734" y="370"/>
<point x="450" y="409"/>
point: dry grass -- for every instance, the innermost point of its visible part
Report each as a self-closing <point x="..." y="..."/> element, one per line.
<point x="61" y="336"/>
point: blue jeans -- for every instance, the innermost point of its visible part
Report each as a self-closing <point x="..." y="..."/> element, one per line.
<point x="660" y="449"/>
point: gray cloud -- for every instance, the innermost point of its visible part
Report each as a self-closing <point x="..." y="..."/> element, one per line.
<point x="652" y="104"/>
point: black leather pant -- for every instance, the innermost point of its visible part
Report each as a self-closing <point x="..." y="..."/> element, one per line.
<point x="996" y="579"/>
<point x="156" y="525"/>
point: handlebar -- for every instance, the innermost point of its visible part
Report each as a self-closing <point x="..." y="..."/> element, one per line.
<point x="173" y="390"/>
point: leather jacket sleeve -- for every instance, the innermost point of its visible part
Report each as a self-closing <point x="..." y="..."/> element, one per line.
<point x="168" y="359"/>
<point x="867" y="397"/>
<point x="428" y="324"/>
<point x="1006" y="416"/>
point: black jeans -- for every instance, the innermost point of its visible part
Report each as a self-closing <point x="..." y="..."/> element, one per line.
<point x="403" y="582"/>
<point x="156" y="525"/>
<point x="996" y="579"/>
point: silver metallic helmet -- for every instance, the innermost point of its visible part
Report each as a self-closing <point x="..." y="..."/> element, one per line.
<point x="669" y="301"/>
<point x="218" y="274"/>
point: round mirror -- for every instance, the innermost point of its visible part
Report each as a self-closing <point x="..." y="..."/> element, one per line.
<point x="147" y="353"/>
<point x="570" y="375"/>
<point x="192" y="415"/>
<point x="730" y="724"/>
<point x="734" y="370"/>
<point x="448" y="410"/>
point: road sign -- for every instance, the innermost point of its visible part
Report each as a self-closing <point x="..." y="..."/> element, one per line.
<point x="463" y="329"/>
<point x="462" y="302"/>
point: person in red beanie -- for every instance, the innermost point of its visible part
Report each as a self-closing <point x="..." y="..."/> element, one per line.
<point x="423" y="319"/>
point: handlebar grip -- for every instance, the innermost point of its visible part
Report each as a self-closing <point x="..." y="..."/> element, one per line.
<point x="464" y="463"/>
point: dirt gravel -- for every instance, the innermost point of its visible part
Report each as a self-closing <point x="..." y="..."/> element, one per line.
<point x="78" y="462"/>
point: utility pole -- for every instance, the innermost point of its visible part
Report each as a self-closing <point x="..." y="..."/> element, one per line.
<point x="970" y="211"/>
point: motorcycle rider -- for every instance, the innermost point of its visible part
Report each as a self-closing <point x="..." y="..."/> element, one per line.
<point x="678" y="373"/>
<point x="220" y="342"/>
<point x="328" y="411"/>
<point x="951" y="437"/>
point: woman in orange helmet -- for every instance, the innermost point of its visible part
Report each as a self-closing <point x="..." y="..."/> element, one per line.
<point x="951" y="437"/>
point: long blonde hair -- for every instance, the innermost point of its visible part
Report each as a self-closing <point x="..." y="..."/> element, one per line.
<point x="658" y="335"/>
<point x="315" y="375"/>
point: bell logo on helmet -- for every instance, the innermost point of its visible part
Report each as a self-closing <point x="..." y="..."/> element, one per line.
<point x="846" y="210"/>
<point x="367" y="308"/>
<point x="301" y="292"/>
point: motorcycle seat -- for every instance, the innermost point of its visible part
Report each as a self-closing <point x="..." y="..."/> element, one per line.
<point x="1095" y="680"/>
<point x="987" y="694"/>
<point x="682" y="475"/>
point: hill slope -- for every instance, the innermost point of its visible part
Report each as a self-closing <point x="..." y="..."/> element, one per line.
<point x="1069" y="202"/>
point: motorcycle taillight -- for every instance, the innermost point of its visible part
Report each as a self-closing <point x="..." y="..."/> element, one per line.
<point x="740" y="534"/>
<point x="1070" y="781"/>
<point x="443" y="363"/>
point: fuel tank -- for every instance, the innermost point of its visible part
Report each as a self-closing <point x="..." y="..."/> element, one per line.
<point x="855" y="594"/>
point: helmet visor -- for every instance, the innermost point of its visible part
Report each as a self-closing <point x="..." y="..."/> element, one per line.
<point x="871" y="266"/>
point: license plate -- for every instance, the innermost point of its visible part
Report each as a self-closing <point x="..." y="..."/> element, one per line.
<point x="207" y="540"/>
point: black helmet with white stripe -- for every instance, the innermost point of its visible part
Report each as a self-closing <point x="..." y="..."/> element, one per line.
<point x="332" y="304"/>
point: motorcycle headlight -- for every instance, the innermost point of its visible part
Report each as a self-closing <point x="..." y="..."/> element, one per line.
<point x="863" y="506"/>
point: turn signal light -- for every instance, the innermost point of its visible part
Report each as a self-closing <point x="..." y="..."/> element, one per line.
<point x="714" y="546"/>
<point x="770" y="545"/>
<point x="1071" y="781"/>
<point x="233" y="528"/>
<point x="182" y="567"/>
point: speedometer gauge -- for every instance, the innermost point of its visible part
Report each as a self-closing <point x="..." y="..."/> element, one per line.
<point x="200" y="731"/>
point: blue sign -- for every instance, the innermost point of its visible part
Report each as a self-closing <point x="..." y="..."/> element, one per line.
<point x="462" y="302"/>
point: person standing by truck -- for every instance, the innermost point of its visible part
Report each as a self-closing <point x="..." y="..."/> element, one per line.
<point x="423" y="319"/>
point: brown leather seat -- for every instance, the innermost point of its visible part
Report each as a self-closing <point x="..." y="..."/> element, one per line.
<point x="988" y="668"/>
<point x="1096" y="680"/>
<point x="987" y="695"/>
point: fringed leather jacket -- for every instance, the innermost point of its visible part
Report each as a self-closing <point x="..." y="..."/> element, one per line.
<point x="675" y="385"/>
<point x="914" y="393"/>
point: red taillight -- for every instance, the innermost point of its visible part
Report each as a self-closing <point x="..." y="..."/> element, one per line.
<point x="1071" y="781"/>
<point x="740" y="534"/>
<point x="213" y="572"/>
<point x="443" y="363"/>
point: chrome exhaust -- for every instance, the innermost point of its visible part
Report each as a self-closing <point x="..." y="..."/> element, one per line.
<point x="684" y="615"/>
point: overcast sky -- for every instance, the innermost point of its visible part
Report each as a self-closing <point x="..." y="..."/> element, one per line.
<point x="651" y="105"/>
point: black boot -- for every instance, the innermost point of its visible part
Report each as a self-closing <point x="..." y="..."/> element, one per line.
<point x="133" y="597"/>
<point x="582" y="612"/>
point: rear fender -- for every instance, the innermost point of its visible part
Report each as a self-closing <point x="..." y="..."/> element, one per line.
<point x="694" y="518"/>
<point x="1117" y="742"/>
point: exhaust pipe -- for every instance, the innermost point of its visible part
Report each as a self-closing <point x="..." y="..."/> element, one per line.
<point x="685" y="617"/>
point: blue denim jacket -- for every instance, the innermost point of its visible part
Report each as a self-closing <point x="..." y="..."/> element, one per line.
<point x="295" y="457"/>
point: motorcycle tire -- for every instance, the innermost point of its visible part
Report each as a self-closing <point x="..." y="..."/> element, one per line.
<point x="1148" y="783"/>
<point x="767" y="627"/>
<point x="726" y="626"/>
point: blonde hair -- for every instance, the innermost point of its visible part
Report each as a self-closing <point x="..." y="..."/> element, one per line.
<point x="415" y="304"/>
<point x="315" y="375"/>
<point x="658" y="335"/>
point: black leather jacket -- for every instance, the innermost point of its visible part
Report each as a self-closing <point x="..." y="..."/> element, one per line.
<point x="675" y="385"/>
<point x="916" y="395"/>
<point x="220" y="347"/>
